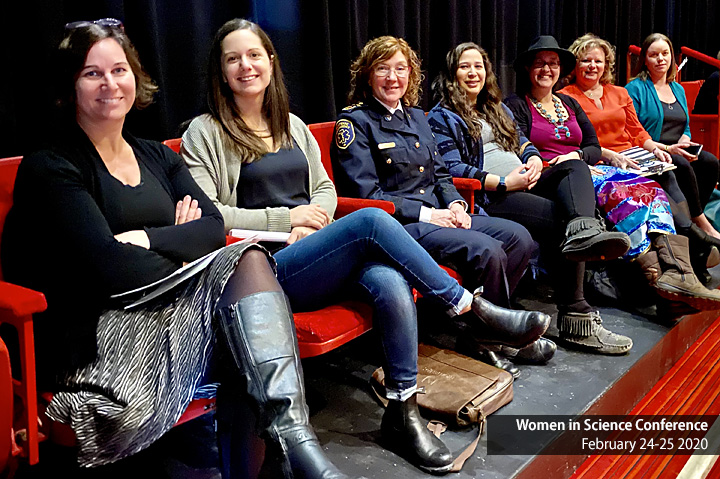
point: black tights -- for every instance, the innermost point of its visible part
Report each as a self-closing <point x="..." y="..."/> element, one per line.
<point x="563" y="192"/>
<point x="253" y="274"/>
<point x="697" y="179"/>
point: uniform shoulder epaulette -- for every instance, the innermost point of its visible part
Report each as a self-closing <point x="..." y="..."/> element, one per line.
<point x="353" y="107"/>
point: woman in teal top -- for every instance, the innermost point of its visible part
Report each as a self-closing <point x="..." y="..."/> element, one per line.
<point x="662" y="109"/>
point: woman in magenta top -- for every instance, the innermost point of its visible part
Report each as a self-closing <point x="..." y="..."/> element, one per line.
<point x="559" y="128"/>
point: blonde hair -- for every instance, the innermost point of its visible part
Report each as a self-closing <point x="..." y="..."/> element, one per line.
<point x="375" y="52"/>
<point x="586" y="43"/>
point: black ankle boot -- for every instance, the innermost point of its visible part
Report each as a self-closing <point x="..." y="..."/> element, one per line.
<point x="703" y="251"/>
<point x="260" y="334"/>
<point x="489" y="354"/>
<point x="405" y="431"/>
<point x="539" y="352"/>
<point x="508" y="326"/>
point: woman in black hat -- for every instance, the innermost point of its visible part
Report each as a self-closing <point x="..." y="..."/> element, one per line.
<point x="559" y="128"/>
<point x="478" y="138"/>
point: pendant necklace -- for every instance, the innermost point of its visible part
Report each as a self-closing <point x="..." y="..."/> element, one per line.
<point x="559" y="124"/>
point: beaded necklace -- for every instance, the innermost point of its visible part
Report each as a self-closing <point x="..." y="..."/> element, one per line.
<point x="559" y="124"/>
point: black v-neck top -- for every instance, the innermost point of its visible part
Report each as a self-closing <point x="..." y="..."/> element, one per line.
<point x="275" y="180"/>
<point x="146" y="205"/>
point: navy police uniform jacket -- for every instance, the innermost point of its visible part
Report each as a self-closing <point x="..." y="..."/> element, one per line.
<point x="379" y="156"/>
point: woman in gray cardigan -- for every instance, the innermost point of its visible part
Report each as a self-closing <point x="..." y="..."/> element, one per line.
<point x="283" y="187"/>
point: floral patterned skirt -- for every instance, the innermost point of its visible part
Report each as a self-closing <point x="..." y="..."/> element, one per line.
<point x="635" y="205"/>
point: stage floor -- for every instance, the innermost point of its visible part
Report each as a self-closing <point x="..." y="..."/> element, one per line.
<point x="346" y="416"/>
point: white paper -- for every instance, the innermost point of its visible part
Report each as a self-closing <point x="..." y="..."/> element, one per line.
<point x="153" y="290"/>
<point x="271" y="236"/>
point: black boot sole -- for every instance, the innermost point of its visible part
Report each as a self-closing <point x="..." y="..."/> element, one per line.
<point x="393" y="443"/>
<point x="597" y="249"/>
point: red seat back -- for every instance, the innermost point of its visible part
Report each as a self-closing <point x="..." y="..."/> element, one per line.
<point x="173" y="144"/>
<point x="324" y="134"/>
<point x="692" y="88"/>
<point x="8" y="171"/>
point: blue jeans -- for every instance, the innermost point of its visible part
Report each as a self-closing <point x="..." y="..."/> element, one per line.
<point x="371" y="249"/>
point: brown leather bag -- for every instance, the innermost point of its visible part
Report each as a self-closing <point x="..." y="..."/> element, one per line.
<point x="458" y="389"/>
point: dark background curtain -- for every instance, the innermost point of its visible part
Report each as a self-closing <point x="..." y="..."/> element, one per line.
<point x="316" y="41"/>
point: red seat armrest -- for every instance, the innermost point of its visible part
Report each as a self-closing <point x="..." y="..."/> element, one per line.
<point x="20" y="301"/>
<point x="467" y="188"/>
<point x="348" y="205"/>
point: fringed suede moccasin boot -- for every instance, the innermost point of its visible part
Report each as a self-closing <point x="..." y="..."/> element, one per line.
<point x="586" y="239"/>
<point x="585" y="331"/>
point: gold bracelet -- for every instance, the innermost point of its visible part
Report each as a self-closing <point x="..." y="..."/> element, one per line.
<point x="667" y="148"/>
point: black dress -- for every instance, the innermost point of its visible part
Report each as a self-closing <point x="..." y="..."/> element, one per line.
<point x="121" y="377"/>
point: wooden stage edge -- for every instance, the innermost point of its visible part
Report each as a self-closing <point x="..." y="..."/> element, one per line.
<point x="628" y="390"/>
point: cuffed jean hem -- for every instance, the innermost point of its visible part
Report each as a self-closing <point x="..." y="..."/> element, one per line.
<point x="464" y="302"/>
<point x="400" y="394"/>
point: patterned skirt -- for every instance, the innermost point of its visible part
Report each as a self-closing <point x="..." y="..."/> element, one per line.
<point x="150" y="361"/>
<point x="635" y="205"/>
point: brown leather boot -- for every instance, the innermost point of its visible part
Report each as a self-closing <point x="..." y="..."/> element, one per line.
<point x="678" y="281"/>
<point x="650" y="266"/>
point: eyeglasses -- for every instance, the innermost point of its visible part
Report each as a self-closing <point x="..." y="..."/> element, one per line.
<point x="103" y="22"/>
<point x="541" y="64"/>
<point x="383" y="71"/>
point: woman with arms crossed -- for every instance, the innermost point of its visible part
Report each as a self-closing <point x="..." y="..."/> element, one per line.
<point x="125" y="212"/>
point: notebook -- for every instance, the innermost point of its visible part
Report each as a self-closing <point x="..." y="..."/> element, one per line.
<point x="649" y="165"/>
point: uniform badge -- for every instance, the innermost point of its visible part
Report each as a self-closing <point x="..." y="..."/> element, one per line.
<point x="344" y="134"/>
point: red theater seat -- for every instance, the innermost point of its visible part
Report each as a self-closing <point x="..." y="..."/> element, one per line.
<point x="17" y="305"/>
<point x="328" y="328"/>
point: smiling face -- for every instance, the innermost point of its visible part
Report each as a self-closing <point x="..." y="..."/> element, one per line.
<point x="386" y="84"/>
<point x="658" y="59"/>
<point x="105" y="88"/>
<point x="544" y="71"/>
<point x="247" y="67"/>
<point x="590" y="68"/>
<point x="470" y="74"/>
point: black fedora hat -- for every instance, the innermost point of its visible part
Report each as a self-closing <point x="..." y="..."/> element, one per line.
<point x="541" y="44"/>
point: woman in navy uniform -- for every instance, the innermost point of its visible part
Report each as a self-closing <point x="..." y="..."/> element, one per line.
<point x="261" y="166"/>
<point x="384" y="149"/>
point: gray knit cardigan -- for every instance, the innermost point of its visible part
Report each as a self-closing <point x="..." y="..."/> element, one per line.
<point x="217" y="171"/>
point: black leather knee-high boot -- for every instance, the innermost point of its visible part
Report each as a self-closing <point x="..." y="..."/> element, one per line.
<point x="260" y="334"/>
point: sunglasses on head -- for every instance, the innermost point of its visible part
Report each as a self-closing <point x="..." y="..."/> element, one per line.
<point x="103" y="22"/>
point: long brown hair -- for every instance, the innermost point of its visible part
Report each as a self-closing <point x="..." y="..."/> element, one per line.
<point x="488" y="106"/>
<point x="641" y="70"/>
<point x="377" y="51"/>
<point x="276" y="108"/>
